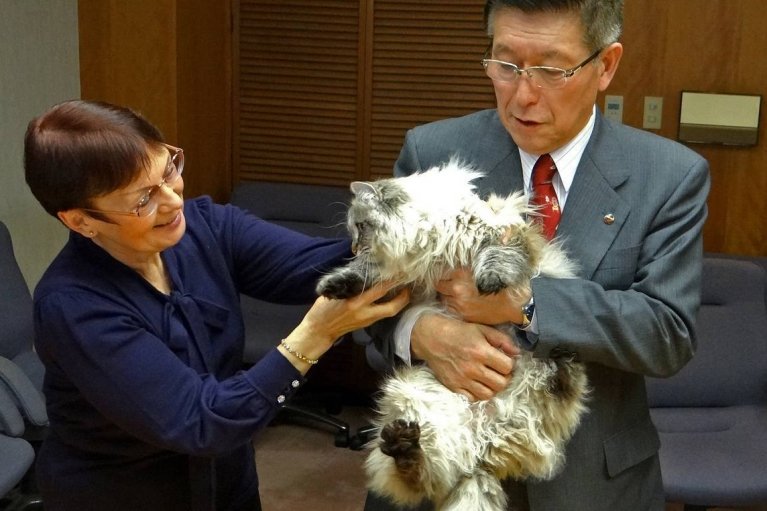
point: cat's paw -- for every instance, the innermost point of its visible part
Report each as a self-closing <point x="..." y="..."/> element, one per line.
<point x="501" y="267"/>
<point x="489" y="283"/>
<point x="568" y="383"/>
<point x="341" y="284"/>
<point x="400" y="440"/>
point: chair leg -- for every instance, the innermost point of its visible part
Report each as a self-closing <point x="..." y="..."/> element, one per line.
<point x="342" y="434"/>
<point x="26" y="495"/>
<point x="25" y="503"/>
<point x="364" y="435"/>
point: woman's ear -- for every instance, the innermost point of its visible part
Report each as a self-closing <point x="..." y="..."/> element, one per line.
<point x="78" y="222"/>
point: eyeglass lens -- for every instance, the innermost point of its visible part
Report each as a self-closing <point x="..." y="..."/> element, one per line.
<point x="543" y="77"/>
<point x="148" y="203"/>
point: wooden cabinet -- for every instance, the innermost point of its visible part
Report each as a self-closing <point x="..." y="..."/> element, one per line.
<point x="326" y="89"/>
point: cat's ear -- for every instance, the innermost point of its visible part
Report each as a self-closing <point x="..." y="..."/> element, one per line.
<point x="360" y="188"/>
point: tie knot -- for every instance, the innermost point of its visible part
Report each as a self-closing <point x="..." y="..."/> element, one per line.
<point x="543" y="170"/>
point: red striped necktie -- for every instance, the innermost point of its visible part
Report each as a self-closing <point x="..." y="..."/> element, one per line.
<point x="544" y="196"/>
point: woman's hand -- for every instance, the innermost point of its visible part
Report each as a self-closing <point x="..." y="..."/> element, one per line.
<point x="329" y="319"/>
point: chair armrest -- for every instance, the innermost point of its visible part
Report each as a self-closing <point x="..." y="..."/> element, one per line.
<point x="11" y="421"/>
<point x="22" y="389"/>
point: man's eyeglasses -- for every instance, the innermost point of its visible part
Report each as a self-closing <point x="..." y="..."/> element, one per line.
<point x="544" y="77"/>
<point x="147" y="204"/>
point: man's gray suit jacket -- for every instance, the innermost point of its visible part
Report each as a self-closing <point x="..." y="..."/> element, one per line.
<point x="633" y="222"/>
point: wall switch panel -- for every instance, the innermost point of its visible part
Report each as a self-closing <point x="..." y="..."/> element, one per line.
<point x="653" y="112"/>
<point x="614" y="108"/>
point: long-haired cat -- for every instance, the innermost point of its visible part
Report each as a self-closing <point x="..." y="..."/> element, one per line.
<point x="433" y="443"/>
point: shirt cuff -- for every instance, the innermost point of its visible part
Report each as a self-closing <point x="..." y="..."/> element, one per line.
<point x="404" y="330"/>
<point x="275" y="377"/>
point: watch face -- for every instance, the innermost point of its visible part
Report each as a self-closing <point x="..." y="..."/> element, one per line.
<point x="528" y="311"/>
<point x="527" y="314"/>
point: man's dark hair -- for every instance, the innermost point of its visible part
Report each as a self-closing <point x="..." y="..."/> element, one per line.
<point x="602" y="19"/>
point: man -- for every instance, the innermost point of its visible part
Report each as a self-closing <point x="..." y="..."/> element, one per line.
<point x="632" y="210"/>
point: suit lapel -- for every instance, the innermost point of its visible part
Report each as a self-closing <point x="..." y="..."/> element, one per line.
<point x="594" y="212"/>
<point x="503" y="178"/>
<point x="500" y="161"/>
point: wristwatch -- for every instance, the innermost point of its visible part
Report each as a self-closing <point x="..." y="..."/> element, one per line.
<point x="527" y="314"/>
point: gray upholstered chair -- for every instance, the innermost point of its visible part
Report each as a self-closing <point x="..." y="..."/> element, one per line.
<point x="21" y="372"/>
<point x="712" y="415"/>
<point x="17" y="491"/>
<point x="17" y="456"/>
<point x="22" y="406"/>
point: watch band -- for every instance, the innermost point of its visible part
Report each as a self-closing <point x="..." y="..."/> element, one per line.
<point x="527" y="314"/>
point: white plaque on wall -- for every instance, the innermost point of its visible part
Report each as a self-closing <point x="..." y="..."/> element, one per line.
<point x="731" y="119"/>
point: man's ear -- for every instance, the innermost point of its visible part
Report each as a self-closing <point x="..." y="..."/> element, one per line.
<point x="77" y="221"/>
<point x="610" y="58"/>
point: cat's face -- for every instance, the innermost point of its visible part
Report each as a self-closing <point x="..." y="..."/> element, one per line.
<point x="390" y="217"/>
<point x="375" y="209"/>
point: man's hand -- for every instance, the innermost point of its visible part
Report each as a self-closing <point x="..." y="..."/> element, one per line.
<point x="474" y="360"/>
<point x="460" y="296"/>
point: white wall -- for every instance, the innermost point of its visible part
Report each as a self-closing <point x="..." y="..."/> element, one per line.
<point x="39" y="66"/>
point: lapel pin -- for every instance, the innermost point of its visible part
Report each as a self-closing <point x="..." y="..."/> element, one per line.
<point x="609" y="219"/>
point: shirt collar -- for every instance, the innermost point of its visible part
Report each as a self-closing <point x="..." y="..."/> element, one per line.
<point x="566" y="158"/>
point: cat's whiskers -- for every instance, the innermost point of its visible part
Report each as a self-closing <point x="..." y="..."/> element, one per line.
<point x="371" y="263"/>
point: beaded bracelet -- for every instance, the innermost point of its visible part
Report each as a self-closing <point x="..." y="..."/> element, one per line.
<point x="300" y="356"/>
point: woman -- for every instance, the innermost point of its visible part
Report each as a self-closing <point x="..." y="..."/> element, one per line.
<point x="138" y="321"/>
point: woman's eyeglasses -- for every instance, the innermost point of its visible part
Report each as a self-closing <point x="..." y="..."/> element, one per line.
<point x="147" y="204"/>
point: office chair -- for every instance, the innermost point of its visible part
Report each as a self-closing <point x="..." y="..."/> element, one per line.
<point x="712" y="415"/>
<point x="21" y="371"/>
<point x="265" y="324"/>
<point x="316" y="211"/>
<point x="17" y="455"/>
<point x="20" y="368"/>
<point x="17" y="490"/>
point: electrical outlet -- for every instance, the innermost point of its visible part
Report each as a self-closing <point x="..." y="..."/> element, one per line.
<point x="614" y="108"/>
<point x="653" y="112"/>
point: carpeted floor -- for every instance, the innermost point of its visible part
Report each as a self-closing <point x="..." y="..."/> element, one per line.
<point x="300" y="469"/>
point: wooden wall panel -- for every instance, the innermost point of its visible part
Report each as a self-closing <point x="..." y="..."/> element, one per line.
<point x="363" y="72"/>
<point x="171" y="61"/>
<point x="204" y="98"/>
<point x="128" y="58"/>
<point x="707" y="46"/>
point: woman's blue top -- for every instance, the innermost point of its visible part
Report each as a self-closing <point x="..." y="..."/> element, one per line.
<point x="148" y="402"/>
